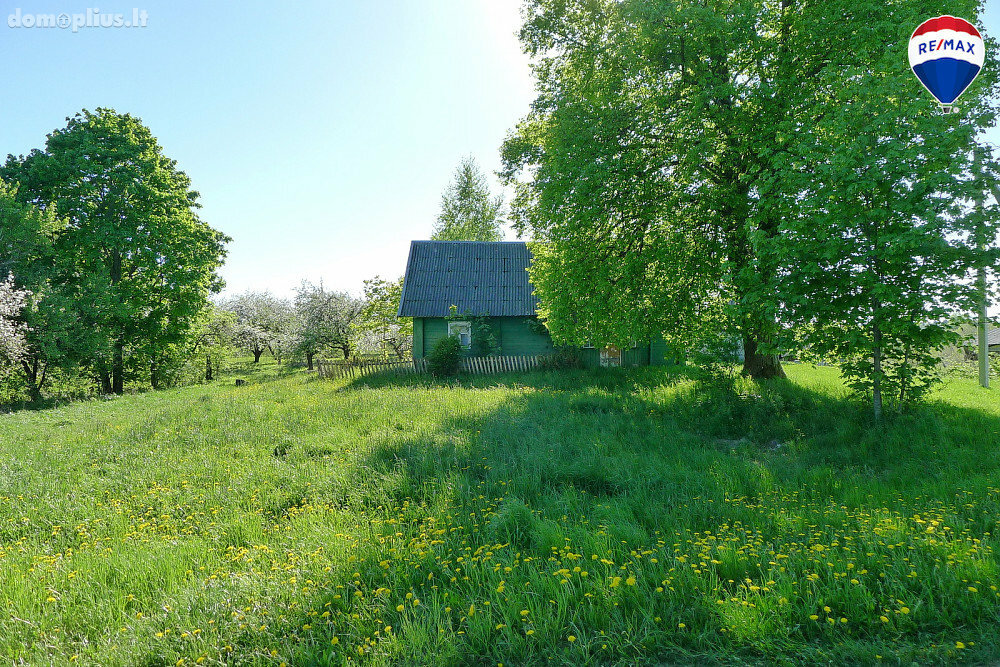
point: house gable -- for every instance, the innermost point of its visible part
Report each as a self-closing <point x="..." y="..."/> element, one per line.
<point x="479" y="278"/>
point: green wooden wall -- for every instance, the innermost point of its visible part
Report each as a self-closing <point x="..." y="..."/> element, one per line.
<point x="518" y="338"/>
<point x="515" y="334"/>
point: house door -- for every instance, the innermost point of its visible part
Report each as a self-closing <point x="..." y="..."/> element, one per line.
<point x="611" y="356"/>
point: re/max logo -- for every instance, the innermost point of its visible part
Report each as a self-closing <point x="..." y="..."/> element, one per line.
<point x="948" y="44"/>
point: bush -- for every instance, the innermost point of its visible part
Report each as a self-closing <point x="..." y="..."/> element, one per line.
<point x="562" y="359"/>
<point x="445" y="357"/>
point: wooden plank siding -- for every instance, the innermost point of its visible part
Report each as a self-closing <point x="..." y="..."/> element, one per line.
<point x="515" y="335"/>
<point x="517" y="339"/>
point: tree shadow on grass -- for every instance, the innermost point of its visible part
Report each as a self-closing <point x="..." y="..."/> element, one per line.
<point x="626" y="458"/>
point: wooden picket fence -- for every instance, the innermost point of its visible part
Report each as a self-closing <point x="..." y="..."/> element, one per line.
<point x="339" y="369"/>
<point x="486" y="365"/>
<point x="473" y="365"/>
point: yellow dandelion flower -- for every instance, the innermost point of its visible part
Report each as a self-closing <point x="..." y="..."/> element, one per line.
<point x="571" y="639"/>
<point x="400" y="607"/>
<point x="630" y="581"/>
<point x="959" y="645"/>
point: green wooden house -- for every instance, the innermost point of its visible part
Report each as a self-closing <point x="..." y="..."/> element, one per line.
<point x="466" y="288"/>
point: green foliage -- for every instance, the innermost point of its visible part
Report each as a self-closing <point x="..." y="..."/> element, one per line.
<point x="485" y="341"/>
<point x="536" y="326"/>
<point x="380" y="328"/>
<point x="468" y="211"/>
<point x="131" y="260"/>
<point x="689" y="168"/>
<point x="51" y="328"/>
<point x="484" y="337"/>
<point x="731" y="511"/>
<point x="445" y="356"/>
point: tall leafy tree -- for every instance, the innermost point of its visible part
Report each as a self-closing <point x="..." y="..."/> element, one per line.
<point x="671" y="144"/>
<point x="53" y="337"/>
<point x="468" y="211"/>
<point x="880" y="243"/>
<point x="136" y="260"/>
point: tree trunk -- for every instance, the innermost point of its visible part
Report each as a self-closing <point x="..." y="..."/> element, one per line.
<point x="757" y="365"/>
<point x="309" y="360"/>
<point x="118" y="369"/>
<point x="154" y="376"/>
<point x="208" y="368"/>
<point x="31" y="374"/>
<point x="877" y="368"/>
<point x="983" y="329"/>
<point x="256" y="355"/>
<point x="105" y="378"/>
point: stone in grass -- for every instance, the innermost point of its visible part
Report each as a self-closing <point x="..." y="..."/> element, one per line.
<point x="240" y="382"/>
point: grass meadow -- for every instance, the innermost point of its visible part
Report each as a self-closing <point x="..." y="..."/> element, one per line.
<point x="629" y="517"/>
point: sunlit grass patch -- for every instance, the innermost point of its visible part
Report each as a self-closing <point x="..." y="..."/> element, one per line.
<point x="598" y="517"/>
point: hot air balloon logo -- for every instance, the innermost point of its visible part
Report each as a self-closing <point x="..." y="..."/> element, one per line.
<point x="946" y="54"/>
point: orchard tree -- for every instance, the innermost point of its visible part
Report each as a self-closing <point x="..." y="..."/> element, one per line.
<point x="379" y="319"/>
<point x="134" y="259"/>
<point x="468" y="211"/>
<point x="327" y="321"/>
<point x="673" y="147"/>
<point x="12" y="326"/>
<point x="261" y="319"/>
<point x="213" y="337"/>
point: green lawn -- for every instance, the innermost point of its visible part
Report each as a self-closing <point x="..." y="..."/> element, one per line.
<point x="570" y="518"/>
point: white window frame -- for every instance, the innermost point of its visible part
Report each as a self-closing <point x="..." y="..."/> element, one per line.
<point x="460" y="329"/>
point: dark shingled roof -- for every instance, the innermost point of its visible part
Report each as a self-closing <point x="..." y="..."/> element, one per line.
<point x="476" y="277"/>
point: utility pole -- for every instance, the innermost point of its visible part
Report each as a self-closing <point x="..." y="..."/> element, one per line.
<point x="982" y="298"/>
<point x="984" y="349"/>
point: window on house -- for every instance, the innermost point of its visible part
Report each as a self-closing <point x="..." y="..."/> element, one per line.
<point x="462" y="331"/>
<point x="589" y="345"/>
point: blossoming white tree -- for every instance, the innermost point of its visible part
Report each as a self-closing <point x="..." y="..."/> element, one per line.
<point x="12" y="329"/>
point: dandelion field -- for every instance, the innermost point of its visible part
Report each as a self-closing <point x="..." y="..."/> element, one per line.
<point x="634" y="517"/>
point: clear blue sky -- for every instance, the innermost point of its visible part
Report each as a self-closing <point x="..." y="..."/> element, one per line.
<point x="319" y="133"/>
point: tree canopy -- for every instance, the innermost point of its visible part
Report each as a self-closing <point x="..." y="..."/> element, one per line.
<point x="132" y="259"/>
<point x="468" y="211"/>
<point x="689" y="168"/>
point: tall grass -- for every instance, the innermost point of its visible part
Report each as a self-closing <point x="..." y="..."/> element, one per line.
<point x="584" y="517"/>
